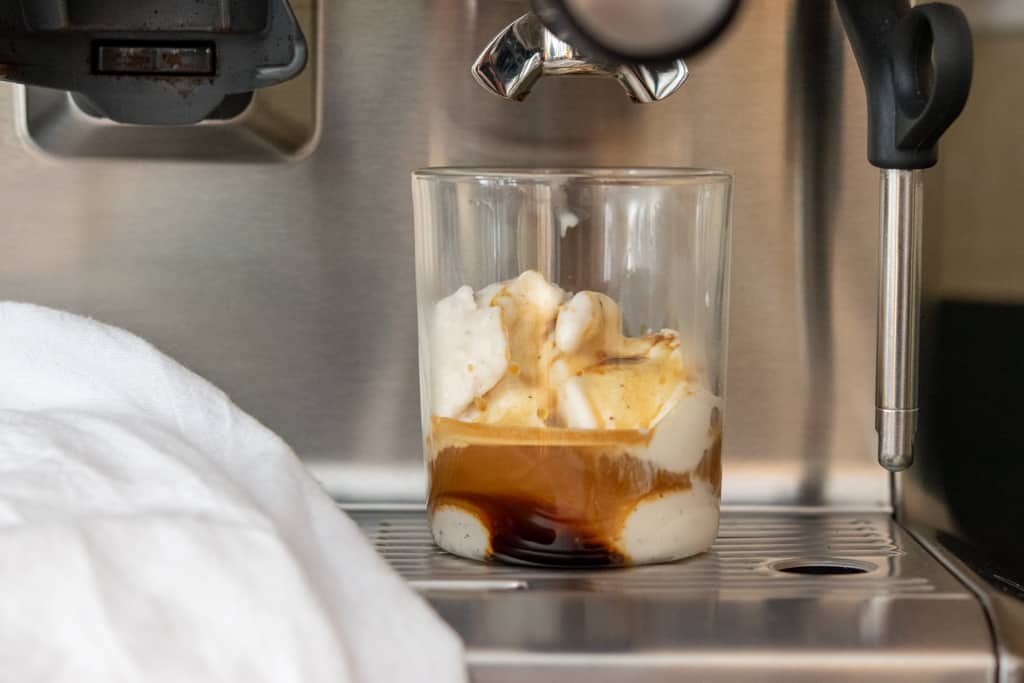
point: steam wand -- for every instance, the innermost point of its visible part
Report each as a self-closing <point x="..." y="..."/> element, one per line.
<point x="916" y="65"/>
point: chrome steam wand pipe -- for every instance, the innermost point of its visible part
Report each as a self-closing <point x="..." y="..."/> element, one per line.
<point x="899" y="306"/>
<point x="916" y="63"/>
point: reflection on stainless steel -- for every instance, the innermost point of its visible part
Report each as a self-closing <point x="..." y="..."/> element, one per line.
<point x="899" y="303"/>
<point x="723" y="616"/>
<point x="524" y="51"/>
<point x="814" y="65"/>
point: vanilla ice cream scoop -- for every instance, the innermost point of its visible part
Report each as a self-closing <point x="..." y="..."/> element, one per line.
<point x="525" y="353"/>
<point x="472" y="352"/>
<point x="528" y="307"/>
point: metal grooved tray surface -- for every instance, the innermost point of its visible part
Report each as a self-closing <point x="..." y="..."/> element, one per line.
<point x="730" y="614"/>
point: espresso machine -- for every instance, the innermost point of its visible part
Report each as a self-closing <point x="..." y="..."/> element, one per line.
<point x="229" y="179"/>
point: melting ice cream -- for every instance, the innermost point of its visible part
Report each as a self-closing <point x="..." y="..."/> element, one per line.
<point x="556" y="440"/>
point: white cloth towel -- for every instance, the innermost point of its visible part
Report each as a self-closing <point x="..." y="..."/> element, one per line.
<point x="152" y="531"/>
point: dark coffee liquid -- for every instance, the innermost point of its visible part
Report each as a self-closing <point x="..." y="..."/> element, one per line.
<point x="552" y="497"/>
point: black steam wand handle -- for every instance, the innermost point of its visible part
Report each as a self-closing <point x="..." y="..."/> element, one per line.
<point x="916" y="65"/>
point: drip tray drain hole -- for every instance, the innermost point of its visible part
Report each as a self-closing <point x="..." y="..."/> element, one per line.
<point x="822" y="567"/>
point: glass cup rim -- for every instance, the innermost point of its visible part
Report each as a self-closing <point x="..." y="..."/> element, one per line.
<point x="611" y="175"/>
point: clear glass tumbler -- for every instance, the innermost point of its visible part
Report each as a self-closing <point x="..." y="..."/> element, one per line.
<point x="572" y="340"/>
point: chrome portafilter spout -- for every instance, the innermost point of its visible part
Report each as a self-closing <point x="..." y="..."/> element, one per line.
<point x="525" y="51"/>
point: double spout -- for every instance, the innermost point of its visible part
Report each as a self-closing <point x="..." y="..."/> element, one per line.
<point x="525" y="51"/>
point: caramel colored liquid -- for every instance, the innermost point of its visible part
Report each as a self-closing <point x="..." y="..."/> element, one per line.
<point x="554" y="497"/>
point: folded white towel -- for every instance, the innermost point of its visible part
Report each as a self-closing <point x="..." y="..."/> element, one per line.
<point x="152" y="531"/>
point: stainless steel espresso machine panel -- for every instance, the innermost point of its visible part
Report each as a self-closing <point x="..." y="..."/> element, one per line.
<point x="292" y="287"/>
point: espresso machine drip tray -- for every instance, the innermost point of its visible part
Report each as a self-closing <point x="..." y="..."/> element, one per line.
<point x="781" y="596"/>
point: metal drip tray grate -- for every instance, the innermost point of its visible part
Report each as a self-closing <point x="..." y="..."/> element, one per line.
<point x="743" y="559"/>
<point x="780" y="597"/>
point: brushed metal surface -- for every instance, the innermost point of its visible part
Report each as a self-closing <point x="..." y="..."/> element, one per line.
<point x="291" y="285"/>
<point x="899" y="311"/>
<point x="726" y="615"/>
